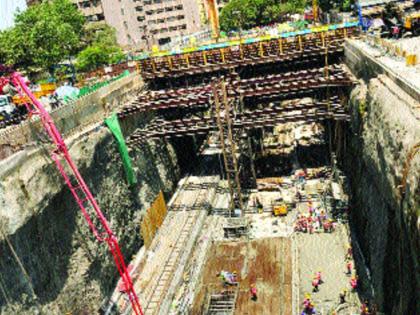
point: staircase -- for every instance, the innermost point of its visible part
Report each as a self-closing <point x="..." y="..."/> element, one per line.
<point x="221" y="303"/>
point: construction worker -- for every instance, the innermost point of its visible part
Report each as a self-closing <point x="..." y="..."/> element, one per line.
<point x="228" y="278"/>
<point x="315" y="285"/>
<point x="253" y="291"/>
<point x="364" y="310"/>
<point x="353" y="282"/>
<point x="349" y="253"/>
<point x="318" y="276"/>
<point x="349" y="267"/>
<point x="342" y="296"/>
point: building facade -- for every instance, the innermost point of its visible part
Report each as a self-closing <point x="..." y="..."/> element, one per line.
<point x="142" y="24"/>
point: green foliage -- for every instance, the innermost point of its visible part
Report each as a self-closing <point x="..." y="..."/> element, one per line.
<point x="43" y="35"/>
<point x="101" y="48"/>
<point x="97" y="55"/>
<point x="102" y="33"/>
<point x="245" y="14"/>
<point x="362" y="108"/>
<point x="53" y="31"/>
<point x="341" y="5"/>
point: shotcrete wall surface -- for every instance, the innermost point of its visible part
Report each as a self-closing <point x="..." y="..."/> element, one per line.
<point x="69" y="271"/>
<point x="385" y="127"/>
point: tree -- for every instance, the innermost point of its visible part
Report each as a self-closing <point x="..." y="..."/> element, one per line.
<point x="43" y="35"/>
<point x="245" y="14"/>
<point x="101" y="48"/>
<point x="99" y="33"/>
<point x="97" y="55"/>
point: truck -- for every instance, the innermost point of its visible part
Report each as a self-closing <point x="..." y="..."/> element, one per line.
<point x="7" y="107"/>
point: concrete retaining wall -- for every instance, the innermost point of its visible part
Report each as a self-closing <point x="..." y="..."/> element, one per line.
<point x="384" y="128"/>
<point x="73" y="117"/>
<point x="365" y="66"/>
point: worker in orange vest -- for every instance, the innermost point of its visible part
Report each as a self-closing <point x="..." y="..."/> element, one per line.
<point x="353" y="282"/>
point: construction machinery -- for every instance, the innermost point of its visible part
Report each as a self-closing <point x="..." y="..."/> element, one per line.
<point x="279" y="207"/>
<point x="44" y="90"/>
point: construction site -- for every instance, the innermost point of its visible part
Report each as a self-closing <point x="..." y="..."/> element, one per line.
<point x="267" y="176"/>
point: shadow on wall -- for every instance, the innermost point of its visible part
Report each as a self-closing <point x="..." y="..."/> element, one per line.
<point x="44" y="249"/>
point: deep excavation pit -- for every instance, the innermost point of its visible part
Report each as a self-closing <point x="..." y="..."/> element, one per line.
<point x="69" y="272"/>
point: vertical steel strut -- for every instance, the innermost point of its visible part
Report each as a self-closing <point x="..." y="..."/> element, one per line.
<point x="79" y="190"/>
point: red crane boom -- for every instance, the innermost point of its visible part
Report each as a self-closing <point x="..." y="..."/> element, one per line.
<point x="80" y="191"/>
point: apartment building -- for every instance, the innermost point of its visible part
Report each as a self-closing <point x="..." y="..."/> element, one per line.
<point x="144" y="23"/>
<point x="163" y="20"/>
<point x="91" y="9"/>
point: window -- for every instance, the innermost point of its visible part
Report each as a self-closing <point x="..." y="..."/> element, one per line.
<point x="159" y="11"/>
<point x="85" y="4"/>
<point x="122" y="11"/>
<point x="169" y="9"/>
<point x="179" y="7"/>
<point x="149" y="12"/>
<point x="181" y="17"/>
<point x="146" y="2"/>
<point x="139" y="8"/>
<point x="161" y="21"/>
<point x="183" y="27"/>
<point x="163" y="41"/>
<point x="140" y="18"/>
<point x="125" y="24"/>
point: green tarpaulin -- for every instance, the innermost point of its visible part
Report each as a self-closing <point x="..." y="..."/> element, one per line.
<point x="114" y="126"/>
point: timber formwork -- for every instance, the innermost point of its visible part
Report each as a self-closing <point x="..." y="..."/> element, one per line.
<point x="259" y="53"/>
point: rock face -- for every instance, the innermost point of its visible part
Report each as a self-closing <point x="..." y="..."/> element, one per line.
<point x="68" y="271"/>
<point x="383" y="130"/>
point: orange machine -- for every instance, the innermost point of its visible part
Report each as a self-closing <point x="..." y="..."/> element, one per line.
<point x="45" y="89"/>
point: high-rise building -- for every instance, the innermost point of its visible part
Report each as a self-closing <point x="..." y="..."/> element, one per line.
<point x="163" y="20"/>
<point x="91" y="9"/>
<point x="144" y="23"/>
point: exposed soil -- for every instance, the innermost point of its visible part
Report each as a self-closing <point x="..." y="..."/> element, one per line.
<point x="265" y="262"/>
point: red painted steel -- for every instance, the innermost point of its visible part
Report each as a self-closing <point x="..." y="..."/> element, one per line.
<point x="79" y="190"/>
